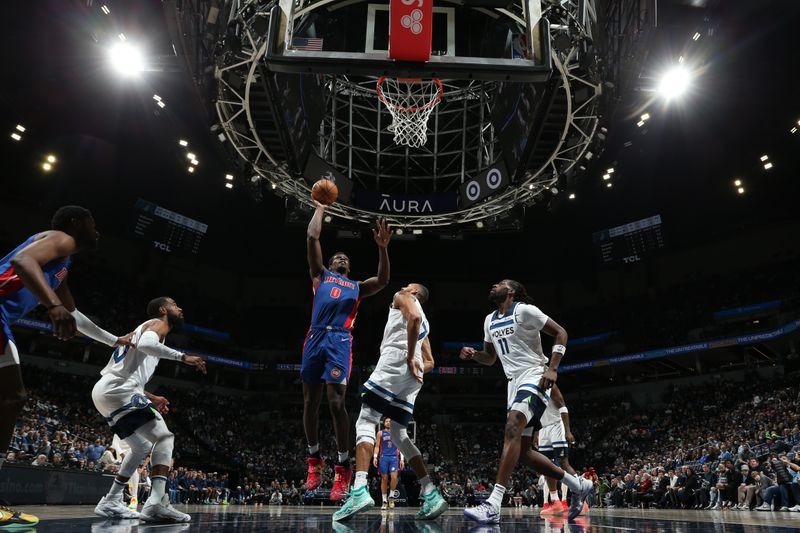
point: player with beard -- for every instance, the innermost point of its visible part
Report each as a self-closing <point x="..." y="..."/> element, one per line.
<point x="511" y="333"/>
<point x="328" y="348"/>
<point x="34" y="273"/>
<point x="133" y="414"/>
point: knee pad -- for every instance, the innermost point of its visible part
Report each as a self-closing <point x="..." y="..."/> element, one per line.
<point x="366" y="425"/>
<point x="139" y="448"/>
<point x="163" y="441"/>
<point x="403" y="442"/>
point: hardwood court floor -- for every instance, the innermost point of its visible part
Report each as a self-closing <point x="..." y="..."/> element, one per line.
<point x="238" y="519"/>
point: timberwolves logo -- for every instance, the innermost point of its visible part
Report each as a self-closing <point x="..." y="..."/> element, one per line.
<point x="336" y="373"/>
<point x="139" y="401"/>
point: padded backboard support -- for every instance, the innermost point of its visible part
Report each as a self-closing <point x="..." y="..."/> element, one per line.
<point x="410" y="30"/>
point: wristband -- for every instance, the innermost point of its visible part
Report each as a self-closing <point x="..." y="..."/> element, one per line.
<point x="563" y="410"/>
<point x="559" y="348"/>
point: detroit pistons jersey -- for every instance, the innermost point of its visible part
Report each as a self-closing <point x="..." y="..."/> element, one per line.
<point x="335" y="302"/>
<point x="132" y="367"/>
<point x="515" y="337"/>
<point x="395" y="334"/>
<point x="388" y="449"/>
<point x="15" y="299"/>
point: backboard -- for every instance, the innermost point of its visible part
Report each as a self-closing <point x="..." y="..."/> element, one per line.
<point x="471" y="39"/>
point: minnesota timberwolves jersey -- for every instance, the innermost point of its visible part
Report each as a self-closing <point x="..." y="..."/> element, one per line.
<point x="515" y="337"/>
<point x="335" y="302"/>
<point x="15" y="300"/>
<point x="131" y="366"/>
<point x="395" y="334"/>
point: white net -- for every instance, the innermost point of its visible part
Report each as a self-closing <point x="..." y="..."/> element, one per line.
<point x="410" y="101"/>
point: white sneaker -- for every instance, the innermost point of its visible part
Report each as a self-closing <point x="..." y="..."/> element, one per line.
<point x="784" y="508"/>
<point x="484" y="513"/>
<point x="162" y="512"/>
<point x="576" y="499"/>
<point x="764" y="507"/>
<point x="795" y="509"/>
<point x="114" y="509"/>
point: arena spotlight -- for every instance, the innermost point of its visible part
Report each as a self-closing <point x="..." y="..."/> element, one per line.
<point x="51" y="158"/>
<point x="738" y="183"/>
<point x="105" y="10"/>
<point x="229" y="185"/>
<point x="126" y="59"/>
<point x="645" y="116"/>
<point x="328" y="219"/>
<point x="162" y="105"/>
<point x="610" y="170"/>
<point x="640" y="123"/>
<point x="793" y="130"/>
<point x="20" y="128"/>
<point x="696" y="36"/>
<point x="572" y="196"/>
<point x="194" y="162"/>
<point x="606" y="176"/>
<point x="609" y="185"/>
<point x="767" y="166"/>
<point x="16" y="136"/>
<point x="764" y="157"/>
<point x="47" y="167"/>
<point x="229" y="177"/>
<point x="122" y="37"/>
<point x="190" y="169"/>
<point x="740" y="190"/>
<point x="190" y="156"/>
<point x="674" y="83"/>
<point x="479" y="224"/>
<point x="183" y="143"/>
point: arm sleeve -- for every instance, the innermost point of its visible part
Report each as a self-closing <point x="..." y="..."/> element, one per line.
<point x="92" y="330"/>
<point x="149" y="344"/>
<point x="531" y="317"/>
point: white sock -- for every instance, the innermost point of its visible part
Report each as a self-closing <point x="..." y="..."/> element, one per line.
<point x="427" y="486"/>
<point x="344" y="456"/>
<point x="116" y="490"/>
<point x="496" y="499"/>
<point x="572" y="482"/>
<point x="157" y="490"/>
<point x="361" y="480"/>
<point x="313" y="449"/>
<point x="553" y="496"/>
<point x="385" y="497"/>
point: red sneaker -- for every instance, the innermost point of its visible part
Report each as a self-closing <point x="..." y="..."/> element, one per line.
<point x="314" y="472"/>
<point x="341" y="482"/>
<point x="547" y="509"/>
<point x="558" y="508"/>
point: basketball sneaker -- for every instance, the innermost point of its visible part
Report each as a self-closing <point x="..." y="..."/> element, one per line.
<point x="558" y="508"/>
<point x="385" y="505"/>
<point x="577" y="498"/>
<point x="485" y="513"/>
<point x="314" y="478"/>
<point x="10" y="519"/>
<point x="391" y="503"/>
<point x="162" y="511"/>
<point x="432" y="505"/>
<point x="358" y="502"/>
<point x="546" y="508"/>
<point x="341" y="482"/>
<point x="114" y="509"/>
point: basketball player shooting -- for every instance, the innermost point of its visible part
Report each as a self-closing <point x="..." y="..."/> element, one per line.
<point x="511" y="333"/>
<point x="327" y="351"/>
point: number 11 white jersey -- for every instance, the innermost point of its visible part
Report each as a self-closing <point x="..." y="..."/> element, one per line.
<point x="516" y="339"/>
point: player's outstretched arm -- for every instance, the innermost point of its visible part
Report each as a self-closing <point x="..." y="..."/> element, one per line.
<point x="427" y="356"/>
<point x="85" y="325"/>
<point x="552" y="328"/>
<point x="28" y="264"/>
<point x="382" y="233"/>
<point x="487" y="356"/>
<point x="314" y="251"/>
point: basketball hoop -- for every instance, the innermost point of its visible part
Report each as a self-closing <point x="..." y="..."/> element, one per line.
<point x="411" y="102"/>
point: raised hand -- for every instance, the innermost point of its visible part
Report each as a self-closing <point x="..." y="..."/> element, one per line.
<point x="382" y="232"/>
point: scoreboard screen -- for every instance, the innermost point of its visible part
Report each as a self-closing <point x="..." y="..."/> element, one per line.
<point x="630" y="242"/>
<point x="167" y="230"/>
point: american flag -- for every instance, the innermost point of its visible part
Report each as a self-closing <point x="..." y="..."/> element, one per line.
<point x="311" y="44"/>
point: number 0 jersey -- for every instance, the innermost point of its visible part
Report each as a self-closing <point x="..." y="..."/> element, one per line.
<point x="515" y="337"/>
<point x="335" y="302"/>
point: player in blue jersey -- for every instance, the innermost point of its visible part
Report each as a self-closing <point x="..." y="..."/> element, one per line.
<point x="327" y="351"/>
<point x="388" y="461"/>
<point x="34" y="273"/>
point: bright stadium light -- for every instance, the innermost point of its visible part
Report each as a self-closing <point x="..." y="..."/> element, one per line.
<point x="572" y="196"/>
<point x="47" y="167"/>
<point x="183" y="142"/>
<point x="738" y="183"/>
<point x="229" y="177"/>
<point x="610" y="170"/>
<point x="764" y="157"/>
<point x="16" y="136"/>
<point x="609" y="184"/>
<point x="740" y="190"/>
<point x="674" y="83"/>
<point x="20" y="128"/>
<point x="767" y="166"/>
<point x="696" y="36"/>
<point x="229" y="185"/>
<point x="190" y="156"/>
<point x="126" y="59"/>
<point x="793" y="130"/>
<point x="640" y="123"/>
<point x="51" y="158"/>
<point x="190" y="169"/>
<point x="645" y="116"/>
<point x="479" y="224"/>
<point x="105" y="10"/>
<point x="606" y="176"/>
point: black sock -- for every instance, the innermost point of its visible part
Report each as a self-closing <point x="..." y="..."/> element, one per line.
<point x="316" y="455"/>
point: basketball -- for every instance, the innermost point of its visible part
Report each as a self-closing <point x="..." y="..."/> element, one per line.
<point x="325" y="192"/>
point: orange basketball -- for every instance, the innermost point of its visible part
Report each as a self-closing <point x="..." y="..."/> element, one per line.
<point x="325" y="192"/>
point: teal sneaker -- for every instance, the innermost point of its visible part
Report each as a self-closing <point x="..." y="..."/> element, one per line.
<point x="432" y="505"/>
<point x="358" y="502"/>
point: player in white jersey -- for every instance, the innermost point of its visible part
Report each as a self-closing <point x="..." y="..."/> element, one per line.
<point x="133" y="413"/>
<point x="512" y="334"/>
<point x="391" y="391"/>
<point x="554" y="440"/>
